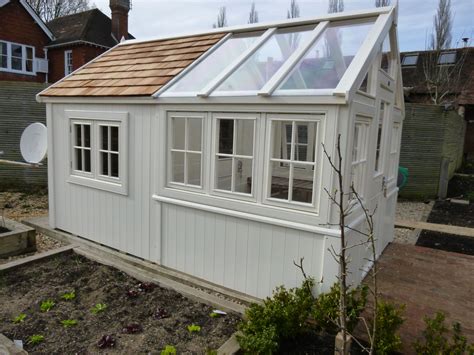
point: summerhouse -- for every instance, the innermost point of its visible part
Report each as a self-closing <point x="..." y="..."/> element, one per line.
<point x="203" y="153"/>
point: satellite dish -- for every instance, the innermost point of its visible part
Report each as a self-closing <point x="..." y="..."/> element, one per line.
<point x="33" y="143"/>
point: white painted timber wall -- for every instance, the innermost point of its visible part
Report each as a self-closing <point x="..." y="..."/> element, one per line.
<point x="118" y="221"/>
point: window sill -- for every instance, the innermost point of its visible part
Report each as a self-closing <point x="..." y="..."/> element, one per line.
<point x="118" y="188"/>
<point x="12" y="71"/>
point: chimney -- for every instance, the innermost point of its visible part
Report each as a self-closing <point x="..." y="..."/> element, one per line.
<point x="120" y="9"/>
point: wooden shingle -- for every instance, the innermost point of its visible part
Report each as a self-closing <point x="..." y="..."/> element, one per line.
<point x="137" y="69"/>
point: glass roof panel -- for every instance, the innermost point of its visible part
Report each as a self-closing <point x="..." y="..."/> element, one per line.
<point x="199" y="76"/>
<point x="260" y="67"/>
<point x="324" y="64"/>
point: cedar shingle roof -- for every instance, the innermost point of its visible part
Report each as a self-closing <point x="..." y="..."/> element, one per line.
<point x="138" y="69"/>
<point x="91" y="26"/>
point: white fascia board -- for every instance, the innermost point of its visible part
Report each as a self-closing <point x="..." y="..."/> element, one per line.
<point x="293" y="60"/>
<point x="365" y="56"/>
<point x="37" y="19"/>
<point x="191" y="66"/>
<point x="223" y="75"/>
<point x="4" y="2"/>
<point x="349" y="15"/>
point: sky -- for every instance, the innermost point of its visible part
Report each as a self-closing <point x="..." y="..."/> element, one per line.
<point x="158" y="18"/>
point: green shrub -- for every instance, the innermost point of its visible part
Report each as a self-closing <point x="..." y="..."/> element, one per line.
<point x="282" y="316"/>
<point x="389" y="321"/>
<point x="436" y="339"/>
<point x="168" y="350"/>
<point x="326" y="308"/>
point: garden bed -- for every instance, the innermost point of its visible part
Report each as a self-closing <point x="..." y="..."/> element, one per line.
<point x="160" y="315"/>
<point x="446" y="242"/>
<point x="446" y="212"/>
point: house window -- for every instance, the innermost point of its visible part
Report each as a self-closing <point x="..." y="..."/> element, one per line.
<point x="410" y="60"/>
<point x="234" y="155"/>
<point x="16" y="58"/>
<point x="359" y="156"/>
<point x="292" y="165"/>
<point x="394" y="151"/>
<point x="68" y="62"/>
<point x="379" y="146"/>
<point x="447" y="58"/>
<point x="82" y="147"/>
<point x="99" y="150"/>
<point x="186" y="150"/>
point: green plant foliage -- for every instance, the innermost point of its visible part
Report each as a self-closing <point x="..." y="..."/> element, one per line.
<point x="282" y="316"/>
<point x="193" y="328"/>
<point x="168" y="350"/>
<point x="69" y="296"/>
<point x="214" y="315"/>
<point x="47" y="305"/>
<point x="326" y="308"/>
<point x="19" y="318"/>
<point x="389" y="321"/>
<point x="35" y="339"/>
<point x="436" y="339"/>
<point x="211" y="352"/>
<point x="98" y="308"/>
<point x="67" y="323"/>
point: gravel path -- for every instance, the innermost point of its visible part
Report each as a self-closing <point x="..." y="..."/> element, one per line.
<point x="412" y="211"/>
<point x="19" y="205"/>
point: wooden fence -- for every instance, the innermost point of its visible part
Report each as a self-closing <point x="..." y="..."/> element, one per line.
<point x="432" y="138"/>
<point x="18" y="109"/>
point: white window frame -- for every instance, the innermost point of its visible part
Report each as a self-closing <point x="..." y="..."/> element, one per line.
<point x="314" y="174"/>
<point x="169" y="148"/>
<point x="23" y="70"/>
<point x="108" y="151"/>
<point x="94" y="179"/>
<point x="74" y="147"/>
<point x="215" y="153"/>
<point x="381" y="123"/>
<point x="361" y="158"/>
<point x="394" y="147"/>
<point x="68" y="67"/>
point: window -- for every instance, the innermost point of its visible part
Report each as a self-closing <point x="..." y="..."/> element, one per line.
<point x="81" y="157"/>
<point x="68" y="62"/>
<point x="186" y="150"/>
<point x="394" y="151"/>
<point x="99" y="150"/>
<point x="410" y="60"/>
<point x="447" y="58"/>
<point x="359" y="156"/>
<point x="16" y="58"/>
<point x="379" y="147"/>
<point x="234" y="155"/>
<point x="292" y="165"/>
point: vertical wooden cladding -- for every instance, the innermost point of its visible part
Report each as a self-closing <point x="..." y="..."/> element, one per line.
<point x="247" y="256"/>
<point x="118" y="221"/>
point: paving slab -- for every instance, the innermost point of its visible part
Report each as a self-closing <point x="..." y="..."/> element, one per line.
<point x="436" y="227"/>
<point x="426" y="281"/>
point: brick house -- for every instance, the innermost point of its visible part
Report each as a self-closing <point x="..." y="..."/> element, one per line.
<point x="460" y="99"/>
<point x="31" y="50"/>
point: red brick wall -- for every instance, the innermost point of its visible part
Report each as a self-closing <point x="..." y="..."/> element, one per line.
<point x="81" y="54"/>
<point x="16" y="25"/>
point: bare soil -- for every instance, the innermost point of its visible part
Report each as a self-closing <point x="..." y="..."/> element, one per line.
<point x="22" y="291"/>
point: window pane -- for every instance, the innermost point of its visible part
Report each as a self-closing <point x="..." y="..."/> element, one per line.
<point x="355" y="147"/>
<point x="304" y="141"/>
<point x="17" y="63"/>
<point x="78" y="153"/>
<point x="177" y="166"/>
<point x="104" y="134"/>
<point x="87" y="136"/>
<point x="244" y="137"/>
<point x="178" y="125"/>
<point x="87" y="160"/>
<point x="214" y="64"/>
<point x="410" y="60"/>
<point x="114" y="165"/>
<point x="327" y="60"/>
<point x="114" y="139"/>
<point x="281" y="134"/>
<point x="3" y="55"/>
<point x="243" y="175"/>
<point x="386" y="55"/>
<point x="447" y="58"/>
<point x="378" y="148"/>
<point x="29" y="53"/>
<point x="104" y="163"/>
<point x="260" y="67"/>
<point x="17" y="51"/>
<point x="279" y="181"/>
<point x="302" y="188"/>
<point x="194" y="168"/>
<point x="194" y="134"/>
<point x="77" y="129"/>
<point x="226" y="136"/>
<point x="29" y="65"/>
<point x="224" y="173"/>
